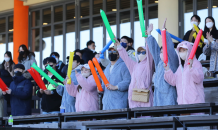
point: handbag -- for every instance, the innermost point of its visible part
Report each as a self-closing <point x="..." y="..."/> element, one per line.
<point x="140" y="95"/>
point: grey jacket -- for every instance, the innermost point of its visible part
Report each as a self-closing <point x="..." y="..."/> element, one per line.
<point x="28" y="61"/>
<point x="212" y="50"/>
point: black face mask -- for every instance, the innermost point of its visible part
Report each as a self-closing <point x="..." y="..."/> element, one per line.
<point x="112" y="57"/>
<point x="21" y="53"/>
<point x="18" y="73"/>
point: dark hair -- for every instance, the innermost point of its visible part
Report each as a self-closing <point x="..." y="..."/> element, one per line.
<point x="27" y="53"/>
<point x="89" y="43"/>
<point x="76" y="58"/>
<point x="118" y="39"/>
<point x="45" y="61"/>
<point x="131" y="40"/>
<point x="11" y="62"/>
<point x="197" y="17"/>
<point x="77" y="50"/>
<point x="52" y="60"/>
<point x="55" y="53"/>
<point x="125" y="37"/>
<point x="214" y="31"/>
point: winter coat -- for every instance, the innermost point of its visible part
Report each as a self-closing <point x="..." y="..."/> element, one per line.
<point x="119" y="76"/>
<point x="20" y="97"/>
<point x="212" y="50"/>
<point x="141" y="75"/>
<point x="6" y="77"/>
<point x="60" y="66"/>
<point x="87" y="97"/>
<point x="1" y="104"/>
<point x="164" y="93"/>
<point x="8" y="69"/>
<point x="28" y="61"/>
<point x="68" y="101"/>
<point x="188" y="82"/>
<point x="87" y="55"/>
<point x="64" y="70"/>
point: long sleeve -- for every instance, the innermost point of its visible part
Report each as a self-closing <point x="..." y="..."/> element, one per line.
<point x="86" y="83"/>
<point x="32" y="59"/>
<point x="71" y="89"/>
<point x="214" y="46"/>
<point x="124" y="84"/>
<point x="24" y="93"/>
<point x="60" y="90"/>
<point x="154" y="49"/>
<point x="170" y="77"/>
<point x="197" y="73"/>
<point x="172" y="56"/>
<point x="207" y="50"/>
<point x="128" y="61"/>
<point x="105" y="62"/>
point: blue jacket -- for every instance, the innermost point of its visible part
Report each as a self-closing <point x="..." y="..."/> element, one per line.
<point x="119" y="76"/>
<point x="21" y="96"/>
<point x="164" y="93"/>
<point x="68" y="101"/>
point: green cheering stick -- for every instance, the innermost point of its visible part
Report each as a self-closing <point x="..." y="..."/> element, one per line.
<point x="141" y="17"/>
<point x="44" y="74"/>
<point x="55" y="73"/>
<point x="108" y="27"/>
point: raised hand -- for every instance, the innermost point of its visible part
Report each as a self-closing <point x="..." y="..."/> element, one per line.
<point x="209" y="37"/>
<point x="149" y="29"/>
<point x="164" y="24"/>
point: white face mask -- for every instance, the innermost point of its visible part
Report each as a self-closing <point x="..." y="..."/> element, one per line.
<point x="194" y="22"/>
<point x="183" y="55"/>
<point x="57" y="60"/>
<point x="85" y="75"/>
<point x="141" y="57"/>
<point x="7" y="59"/>
<point x="209" y="25"/>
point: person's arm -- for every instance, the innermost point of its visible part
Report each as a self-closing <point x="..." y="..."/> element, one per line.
<point x="71" y="89"/>
<point x="105" y="62"/>
<point x="86" y="83"/>
<point x="24" y="93"/>
<point x="170" y="77"/>
<point x="32" y="60"/>
<point x="207" y="50"/>
<point x="60" y="90"/>
<point x="214" y="45"/>
<point x="196" y="72"/>
<point x="128" y="61"/>
<point x="172" y="55"/>
<point x="124" y="84"/>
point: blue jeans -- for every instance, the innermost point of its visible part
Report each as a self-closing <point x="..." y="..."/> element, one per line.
<point x="50" y="113"/>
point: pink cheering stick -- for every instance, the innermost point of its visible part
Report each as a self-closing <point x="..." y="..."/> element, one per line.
<point x="164" y="45"/>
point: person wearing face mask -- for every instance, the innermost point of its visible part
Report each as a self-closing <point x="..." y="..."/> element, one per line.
<point x="164" y="93"/>
<point x="51" y="100"/>
<point x="188" y="78"/>
<point x="26" y="57"/>
<point x="89" y="52"/>
<point x="85" y="92"/>
<point x="195" y="19"/>
<point x="19" y="93"/>
<point x="211" y="47"/>
<point x="60" y="65"/>
<point x="141" y="72"/>
<point x="124" y="41"/>
<point x="8" y="63"/>
<point x="69" y="101"/>
<point x="116" y="93"/>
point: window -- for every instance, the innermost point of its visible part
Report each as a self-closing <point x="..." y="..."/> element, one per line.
<point x="58" y="40"/>
<point x="36" y="45"/>
<point x="153" y="18"/>
<point x="214" y="11"/>
<point x="98" y="4"/>
<point x="111" y="5"/>
<point x="58" y="13"/>
<point x="2" y="47"/>
<point x="202" y="12"/>
<point x="46" y="42"/>
<point x="70" y="37"/>
<point x="125" y="24"/>
<point x="124" y="4"/>
<point x="84" y="8"/>
<point x="188" y="13"/>
<point x="84" y="33"/>
<point x="98" y="33"/>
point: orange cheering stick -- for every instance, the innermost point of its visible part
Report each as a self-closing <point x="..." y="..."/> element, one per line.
<point x="95" y="76"/>
<point x="3" y="86"/>
<point x="95" y="61"/>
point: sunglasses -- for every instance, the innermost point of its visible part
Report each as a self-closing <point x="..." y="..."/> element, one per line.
<point x="143" y="52"/>
<point x="114" y="52"/>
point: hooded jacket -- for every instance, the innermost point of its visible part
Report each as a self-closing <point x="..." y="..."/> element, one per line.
<point x="164" y="93"/>
<point x="68" y="101"/>
<point x="141" y="75"/>
<point x="119" y="76"/>
<point x="188" y="82"/>
<point x="87" y="55"/>
<point x="87" y="98"/>
<point x="20" y="97"/>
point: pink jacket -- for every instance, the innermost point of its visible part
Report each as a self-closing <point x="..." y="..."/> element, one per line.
<point x="188" y="82"/>
<point x="141" y="75"/>
<point x="87" y="98"/>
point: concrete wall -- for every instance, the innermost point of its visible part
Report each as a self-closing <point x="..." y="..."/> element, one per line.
<point x="168" y="9"/>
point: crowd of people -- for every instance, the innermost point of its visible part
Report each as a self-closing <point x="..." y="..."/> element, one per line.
<point x="130" y="73"/>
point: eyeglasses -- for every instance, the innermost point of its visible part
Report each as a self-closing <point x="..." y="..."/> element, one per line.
<point x="114" y="52"/>
<point x="143" y="53"/>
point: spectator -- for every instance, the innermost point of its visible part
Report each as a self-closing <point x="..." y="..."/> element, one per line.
<point x="79" y="53"/>
<point x="60" y="64"/>
<point x="51" y="100"/>
<point x="26" y="57"/>
<point x="195" y="19"/>
<point x="19" y="93"/>
<point x="188" y="79"/>
<point x="85" y="92"/>
<point x="164" y="93"/>
<point x="116" y="94"/>
<point x="141" y="73"/>
<point x="8" y="63"/>
<point x="89" y="52"/>
<point x="69" y="101"/>
<point x="131" y="41"/>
